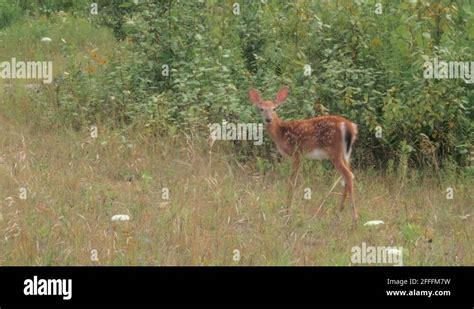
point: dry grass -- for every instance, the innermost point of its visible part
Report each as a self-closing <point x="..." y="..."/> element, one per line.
<point x="75" y="184"/>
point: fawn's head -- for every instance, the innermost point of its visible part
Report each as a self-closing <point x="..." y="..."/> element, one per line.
<point x="268" y="108"/>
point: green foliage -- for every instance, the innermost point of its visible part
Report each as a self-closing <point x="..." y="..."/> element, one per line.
<point x="48" y="7"/>
<point x="411" y="232"/>
<point x="8" y="13"/>
<point x="364" y="66"/>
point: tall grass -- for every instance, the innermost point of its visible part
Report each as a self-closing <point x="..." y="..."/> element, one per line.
<point x="217" y="204"/>
<point x="9" y="13"/>
<point x="75" y="184"/>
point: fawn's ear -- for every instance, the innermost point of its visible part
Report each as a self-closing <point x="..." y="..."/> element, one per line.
<point x="255" y="97"/>
<point x="281" y="95"/>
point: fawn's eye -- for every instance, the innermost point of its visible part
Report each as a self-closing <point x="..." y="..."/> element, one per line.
<point x="261" y="109"/>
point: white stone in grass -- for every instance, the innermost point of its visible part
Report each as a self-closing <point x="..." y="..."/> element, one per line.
<point x="120" y="218"/>
<point x="46" y="39"/>
<point x="373" y="222"/>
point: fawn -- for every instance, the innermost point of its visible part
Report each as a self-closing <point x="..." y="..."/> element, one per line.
<point x="324" y="137"/>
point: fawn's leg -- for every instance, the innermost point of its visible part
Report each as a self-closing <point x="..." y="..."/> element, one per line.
<point x="342" y="167"/>
<point x="355" y="213"/>
<point x="293" y="178"/>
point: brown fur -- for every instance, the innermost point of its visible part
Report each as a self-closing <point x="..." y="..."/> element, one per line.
<point x="298" y="138"/>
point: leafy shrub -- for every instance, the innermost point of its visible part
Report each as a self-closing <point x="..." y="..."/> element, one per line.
<point x="364" y="66"/>
<point x="8" y="13"/>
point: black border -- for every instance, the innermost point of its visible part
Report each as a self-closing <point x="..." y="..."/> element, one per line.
<point x="239" y="285"/>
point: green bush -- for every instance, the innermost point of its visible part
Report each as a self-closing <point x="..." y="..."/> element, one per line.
<point x="364" y="66"/>
<point x="9" y="13"/>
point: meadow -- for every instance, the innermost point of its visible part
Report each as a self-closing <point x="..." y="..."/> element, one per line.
<point x="75" y="184"/>
<point x="62" y="180"/>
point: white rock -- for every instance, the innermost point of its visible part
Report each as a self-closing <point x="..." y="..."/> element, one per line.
<point x="46" y="39"/>
<point x="120" y="218"/>
<point x="374" y="222"/>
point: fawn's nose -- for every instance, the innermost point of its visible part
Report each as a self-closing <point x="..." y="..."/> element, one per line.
<point x="268" y="120"/>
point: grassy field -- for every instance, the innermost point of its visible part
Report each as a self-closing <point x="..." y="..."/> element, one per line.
<point x="76" y="184"/>
<point x="60" y="187"/>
